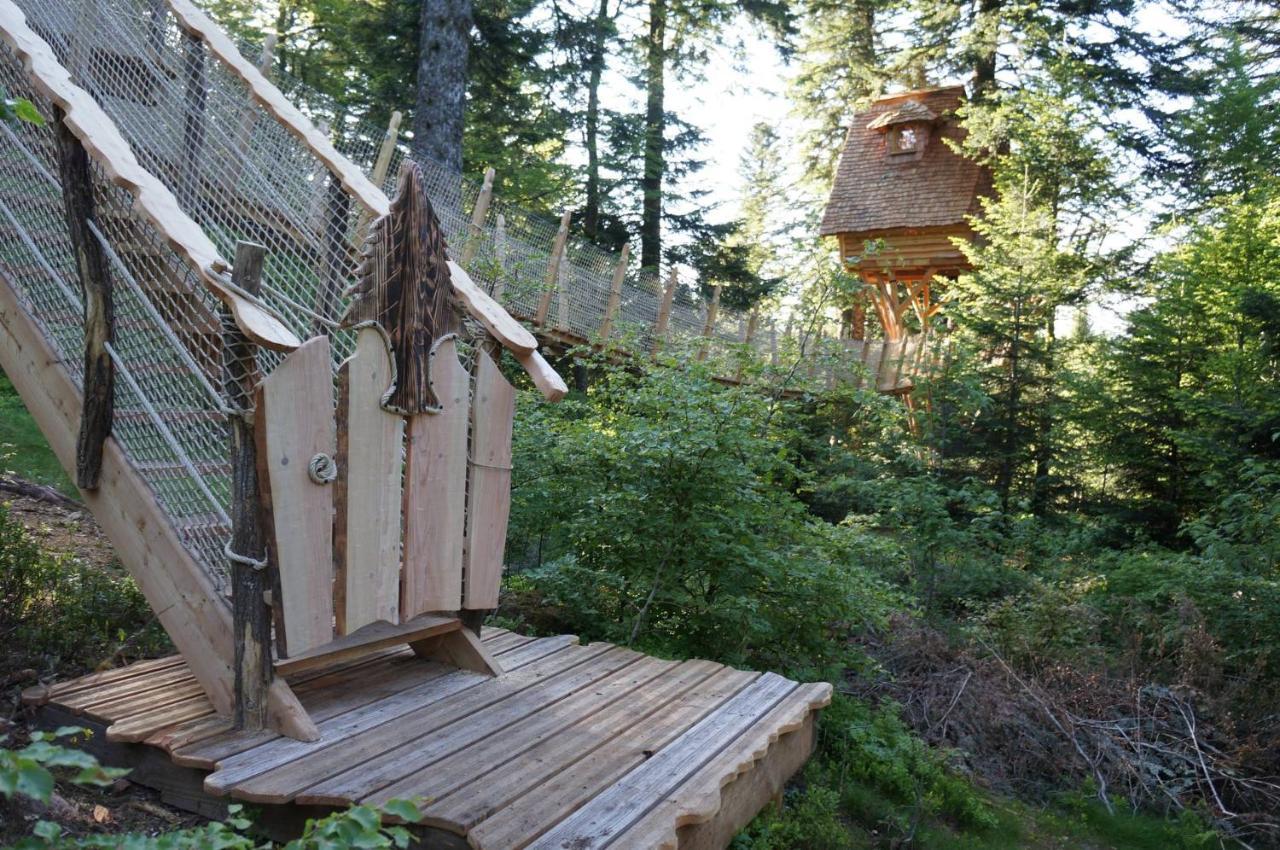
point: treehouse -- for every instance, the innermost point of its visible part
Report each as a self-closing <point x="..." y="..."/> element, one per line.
<point x="301" y="451"/>
<point x="901" y="195"/>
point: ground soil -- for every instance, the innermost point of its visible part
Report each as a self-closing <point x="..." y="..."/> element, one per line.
<point x="124" y="807"/>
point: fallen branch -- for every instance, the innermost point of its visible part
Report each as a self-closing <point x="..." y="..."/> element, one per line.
<point x="39" y="492"/>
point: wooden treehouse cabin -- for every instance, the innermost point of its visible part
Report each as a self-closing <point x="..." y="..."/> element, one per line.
<point x="901" y="195"/>
<point x="287" y="405"/>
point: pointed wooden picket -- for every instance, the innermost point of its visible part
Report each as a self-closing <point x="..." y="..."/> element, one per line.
<point x="295" y="424"/>
<point x="371" y="444"/>
<point x="489" y="485"/>
<point x="435" y="491"/>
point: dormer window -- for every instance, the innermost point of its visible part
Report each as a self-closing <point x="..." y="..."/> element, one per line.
<point x="903" y="140"/>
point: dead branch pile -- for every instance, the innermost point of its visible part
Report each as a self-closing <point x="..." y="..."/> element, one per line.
<point x="1154" y="746"/>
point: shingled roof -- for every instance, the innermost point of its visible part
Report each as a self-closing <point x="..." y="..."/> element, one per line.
<point x="876" y="191"/>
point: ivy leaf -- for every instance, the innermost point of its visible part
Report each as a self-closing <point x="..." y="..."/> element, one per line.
<point x="48" y="830"/>
<point x="403" y="810"/>
<point x="26" y="110"/>
<point x="34" y="781"/>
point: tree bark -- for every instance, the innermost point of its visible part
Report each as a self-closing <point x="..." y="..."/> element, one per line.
<point x="591" y="215"/>
<point x="249" y="582"/>
<point x="655" y="125"/>
<point x="443" y="46"/>
<point x="98" y="407"/>
<point x="986" y="48"/>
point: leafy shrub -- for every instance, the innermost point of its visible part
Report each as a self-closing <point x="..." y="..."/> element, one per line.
<point x="662" y="512"/>
<point x="58" y="612"/>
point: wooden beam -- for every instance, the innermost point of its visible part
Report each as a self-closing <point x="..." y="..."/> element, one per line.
<point x="553" y="269"/>
<point x="193" y="130"/>
<point x="476" y="231"/>
<point x="388" y="148"/>
<point x="499" y="258"/>
<point x="251" y="615"/>
<point x="176" y="588"/>
<point x="99" y="308"/>
<point x="615" y="293"/>
<point x="368" y="639"/>
<point x="663" y="323"/>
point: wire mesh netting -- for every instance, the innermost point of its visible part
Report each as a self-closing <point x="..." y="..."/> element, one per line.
<point x="240" y="174"/>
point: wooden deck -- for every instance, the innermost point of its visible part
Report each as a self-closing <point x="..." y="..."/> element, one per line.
<point x="572" y="747"/>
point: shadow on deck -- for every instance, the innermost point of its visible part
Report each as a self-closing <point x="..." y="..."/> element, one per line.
<point x="573" y="746"/>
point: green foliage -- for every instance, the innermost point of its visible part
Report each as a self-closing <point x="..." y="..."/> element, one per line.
<point x="23" y="449"/>
<point x="661" y="508"/>
<point x="58" y="611"/>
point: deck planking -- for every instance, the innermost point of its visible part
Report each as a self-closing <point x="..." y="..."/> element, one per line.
<point x="578" y="746"/>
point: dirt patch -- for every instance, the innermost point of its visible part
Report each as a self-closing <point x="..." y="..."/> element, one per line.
<point x="61" y="530"/>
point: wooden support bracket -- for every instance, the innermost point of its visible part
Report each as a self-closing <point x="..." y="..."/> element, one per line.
<point x="460" y="648"/>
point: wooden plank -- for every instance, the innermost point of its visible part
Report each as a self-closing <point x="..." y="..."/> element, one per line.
<point x="699" y="799"/>
<point x="87" y="699"/>
<point x="626" y="800"/>
<point x="417" y="746"/>
<point x="141" y="534"/>
<point x="435" y="492"/>
<point x="152" y="199"/>
<point x="521" y="821"/>
<point x="473" y="790"/>
<point x="294" y="423"/>
<point x="208" y="754"/>
<point x="364" y="640"/>
<point x="371" y="444"/>
<point x="497" y="321"/>
<point x="278" y="771"/>
<point x="249" y="579"/>
<point x="56" y="691"/>
<point x="489" y="484"/>
<point x="460" y="648"/>
<point x="127" y="706"/>
<point x="546" y="379"/>
<point x="99" y="307"/>
<point x="508" y="743"/>
<point x="140" y="726"/>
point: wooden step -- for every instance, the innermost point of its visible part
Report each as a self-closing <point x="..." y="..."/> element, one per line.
<point x="367" y="639"/>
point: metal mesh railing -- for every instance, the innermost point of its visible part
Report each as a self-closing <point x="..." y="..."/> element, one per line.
<point x="241" y="174"/>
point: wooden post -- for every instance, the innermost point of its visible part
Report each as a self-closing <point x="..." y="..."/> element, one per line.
<point x="499" y="258"/>
<point x="553" y="269"/>
<point x="249" y="579"/>
<point x="194" y="121"/>
<point x="562" y="301"/>
<point x="249" y="117"/>
<point x="615" y="293"/>
<point x="99" y="309"/>
<point x="336" y="259"/>
<point x="748" y="334"/>
<point x="378" y="176"/>
<point x="478" y="214"/>
<point x="662" y="325"/>
<point x="713" y="310"/>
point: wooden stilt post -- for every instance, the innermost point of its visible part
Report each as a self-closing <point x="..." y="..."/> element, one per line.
<point x="476" y="231"/>
<point x="615" y="294"/>
<point x="713" y="310"/>
<point x="249" y="117"/>
<point x="248" y="547"/>
<point x="99" y="309"/>
<point x="662" y="326"/>
<point x="553" y="269"/>
<point x="562" y="298"/>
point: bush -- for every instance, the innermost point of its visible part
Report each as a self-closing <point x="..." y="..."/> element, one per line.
<point x="59" y="613"/>
<point x="662" y="512"/>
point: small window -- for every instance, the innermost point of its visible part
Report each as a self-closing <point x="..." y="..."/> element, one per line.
<point x="904" y="140"/>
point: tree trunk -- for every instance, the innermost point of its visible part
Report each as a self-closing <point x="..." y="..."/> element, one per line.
<point x="986" y="47"/>
<point x="591" y="216"/>
<point x="655" y="125"/>
<point x="442" y="81"/>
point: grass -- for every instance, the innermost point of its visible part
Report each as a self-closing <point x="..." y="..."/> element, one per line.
<point x="23" y="449"/>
